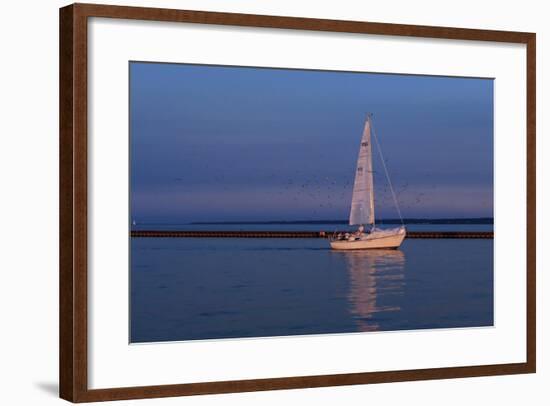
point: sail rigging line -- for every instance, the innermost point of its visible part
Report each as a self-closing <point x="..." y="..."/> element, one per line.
<point x="379" y="148"/>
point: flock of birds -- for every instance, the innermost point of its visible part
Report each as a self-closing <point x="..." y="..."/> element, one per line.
<point x="324" y="194"/>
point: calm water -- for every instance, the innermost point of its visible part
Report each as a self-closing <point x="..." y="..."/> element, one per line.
<point x="209" y="288"/>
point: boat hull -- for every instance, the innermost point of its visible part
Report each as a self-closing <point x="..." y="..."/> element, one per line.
<point x="387" y="241"/>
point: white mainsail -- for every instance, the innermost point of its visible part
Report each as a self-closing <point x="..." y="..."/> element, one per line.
<point x="362" y="202"/>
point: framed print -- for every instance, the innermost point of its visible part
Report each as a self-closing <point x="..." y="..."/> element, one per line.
<point x="256" y="202"/>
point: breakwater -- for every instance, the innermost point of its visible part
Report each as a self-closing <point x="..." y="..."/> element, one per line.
<point x="294" y="234"/>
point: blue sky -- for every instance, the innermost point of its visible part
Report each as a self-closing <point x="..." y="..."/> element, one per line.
<point x="214" y="143"/>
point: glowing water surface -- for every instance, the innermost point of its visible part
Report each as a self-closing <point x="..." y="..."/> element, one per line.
<point x="210" y="288"/>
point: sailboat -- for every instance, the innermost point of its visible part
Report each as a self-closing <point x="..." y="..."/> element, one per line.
<point x="367" y="236"/>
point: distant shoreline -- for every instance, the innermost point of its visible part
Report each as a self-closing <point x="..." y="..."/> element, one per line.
<point x="296" y="234"/>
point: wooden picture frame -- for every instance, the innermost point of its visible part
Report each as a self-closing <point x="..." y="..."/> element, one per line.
<point x="74" y="201"/>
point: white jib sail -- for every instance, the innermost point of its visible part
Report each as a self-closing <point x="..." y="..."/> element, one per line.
<point x="362" y="202"/>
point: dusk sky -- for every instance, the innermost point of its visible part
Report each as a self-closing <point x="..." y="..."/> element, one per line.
<point x="214" y="143"/>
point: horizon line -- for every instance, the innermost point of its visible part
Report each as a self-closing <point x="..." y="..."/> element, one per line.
<point x="447" y="220"/>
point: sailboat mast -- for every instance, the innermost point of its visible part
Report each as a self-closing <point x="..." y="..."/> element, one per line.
<point x="369" y="168"/>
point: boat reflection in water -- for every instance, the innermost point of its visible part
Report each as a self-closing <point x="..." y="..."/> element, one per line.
<point x="377" y="281"/>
